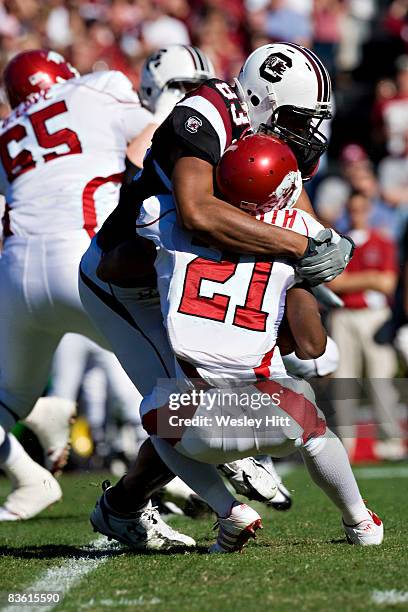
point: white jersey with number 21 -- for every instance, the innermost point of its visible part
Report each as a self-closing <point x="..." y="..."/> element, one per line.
<point x="222" y="312"/>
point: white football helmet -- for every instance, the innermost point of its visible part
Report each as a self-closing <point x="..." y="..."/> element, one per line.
<point x="177" y="67"/>
<point x="287" y="91"/>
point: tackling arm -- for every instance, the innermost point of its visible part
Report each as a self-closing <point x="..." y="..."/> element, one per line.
<point x="220" y="223"/>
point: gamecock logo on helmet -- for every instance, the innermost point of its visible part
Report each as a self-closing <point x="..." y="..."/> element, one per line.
<point x="274" y="67"/>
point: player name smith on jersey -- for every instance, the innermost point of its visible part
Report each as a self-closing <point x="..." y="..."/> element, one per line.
<point x="62" y="154"/>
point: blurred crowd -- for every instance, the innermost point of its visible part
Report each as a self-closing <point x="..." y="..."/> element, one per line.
<point x="362" y="183"/>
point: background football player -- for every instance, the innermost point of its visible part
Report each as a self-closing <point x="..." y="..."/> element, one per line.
<point x="62" y="159"/>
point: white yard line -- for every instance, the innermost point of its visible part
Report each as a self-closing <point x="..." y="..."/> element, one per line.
<point x="389" y="597"/>
<point x="67" y="575"/>
<point x="395" y="471"/>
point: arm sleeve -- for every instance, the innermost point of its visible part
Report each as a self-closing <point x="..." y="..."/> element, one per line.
<point x="196" y="134"/>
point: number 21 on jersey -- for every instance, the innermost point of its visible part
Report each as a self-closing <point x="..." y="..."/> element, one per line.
<point x="249" y="316"/>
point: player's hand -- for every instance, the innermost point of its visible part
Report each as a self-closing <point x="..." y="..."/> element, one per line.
<point x="325" y="258"/>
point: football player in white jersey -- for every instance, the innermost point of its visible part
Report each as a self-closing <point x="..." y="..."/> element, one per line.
<point x="222" y="314"/>
<point x="282" y="88"/>
<point x="62" y="152"/>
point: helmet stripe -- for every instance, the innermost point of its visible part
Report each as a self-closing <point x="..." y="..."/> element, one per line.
<point x="192" y="55"/>
<point x="323" y="79"/>
<point x="199" y="58"/>
<point x="326" y="77"/>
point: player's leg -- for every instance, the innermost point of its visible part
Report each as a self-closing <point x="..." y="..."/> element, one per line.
<point x="123" y="399"/>
<point x="131" y="322"/>
<point x="304" y="428"/>
<point x="328" y="464"/>
<point x="52" y="416"/>
<point x="124" y="512"/>
<point x="257" y="478"/>
<point x="237" y="522"/>
<point x="26" y="351"/>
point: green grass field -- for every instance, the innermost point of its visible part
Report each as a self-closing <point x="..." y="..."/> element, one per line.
<point x="300" y="560"/>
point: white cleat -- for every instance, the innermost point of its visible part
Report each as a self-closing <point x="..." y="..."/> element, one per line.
<point x="235" y="530"/>
<point x="51" y="420"/>
<point x="369" y="532"/>
<point x="282" y="501"/>
<point x="28" y="500"/>
<point x="249" y="477"/>
<point x="143" y="530"/>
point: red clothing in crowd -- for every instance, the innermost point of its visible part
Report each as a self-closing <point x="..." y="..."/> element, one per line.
<point x="373" y="252"/>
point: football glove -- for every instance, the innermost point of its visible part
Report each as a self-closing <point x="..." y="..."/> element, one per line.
<point x="325" y="259"/>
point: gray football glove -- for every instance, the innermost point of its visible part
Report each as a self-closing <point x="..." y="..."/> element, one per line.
<point x="323" y="259"/>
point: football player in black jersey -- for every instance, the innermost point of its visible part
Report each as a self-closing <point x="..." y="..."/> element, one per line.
<point x="282" y="89"/>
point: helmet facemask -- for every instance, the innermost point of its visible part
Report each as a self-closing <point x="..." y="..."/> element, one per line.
<point x="299" y="128"/>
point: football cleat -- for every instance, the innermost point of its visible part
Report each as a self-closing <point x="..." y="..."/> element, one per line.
<point x="249" y="477"/>
<point x="191" y="504"/>
<point x="235" y="530"/>
<point x="51" y="420"/>
<point x="366" y="533"/>
<point x="142" y="530"/>
<point x="29" y="499"/>
<point x="283" y="499"/>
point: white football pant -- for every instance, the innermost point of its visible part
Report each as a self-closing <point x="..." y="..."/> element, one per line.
<point x="39" y="303"/>
<point x="131" y="321"/>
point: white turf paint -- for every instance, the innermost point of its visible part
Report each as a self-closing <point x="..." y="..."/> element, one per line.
<point x="67" y="575"/>
<point x="389" y="597"/>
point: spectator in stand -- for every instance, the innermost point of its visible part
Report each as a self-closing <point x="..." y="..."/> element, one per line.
<point x="400" y="318"/>
<point x="283" y="22"/>
<point x="356" y="175"/>
<point x="366" y="288"/>
<point x="217" y="40"/>
<point x="393" y="176"/>
<point x="395" y="110"/>
<point x="327" y="22"/>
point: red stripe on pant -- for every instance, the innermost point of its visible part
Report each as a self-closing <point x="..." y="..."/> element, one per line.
<point x="88" y="200"/>
<point x="300" y="409"/>
<point x="157" y="422"/>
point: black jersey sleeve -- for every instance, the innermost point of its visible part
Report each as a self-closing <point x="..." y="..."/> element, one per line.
<point x="204" y="123"/>
<point x="195" y="134"/>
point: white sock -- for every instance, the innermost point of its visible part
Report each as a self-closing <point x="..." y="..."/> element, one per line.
<point x="10" y="450"/>
<point x="16" y="462"/>
<point x="330" y="469"/>
<point x="203" y="478"/>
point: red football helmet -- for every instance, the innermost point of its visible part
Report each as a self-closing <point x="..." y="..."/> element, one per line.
<point x="259" y="173"/>
<point x="34" y="71"/>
